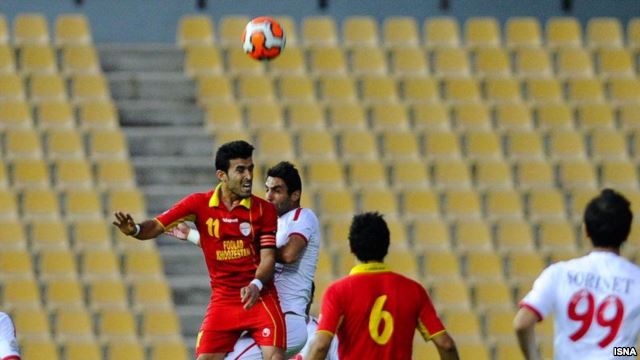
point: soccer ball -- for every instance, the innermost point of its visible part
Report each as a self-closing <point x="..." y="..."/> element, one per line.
<point x="263" y="38"/>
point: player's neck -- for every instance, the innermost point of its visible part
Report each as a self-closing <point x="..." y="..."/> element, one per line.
<point x="606" y="249"/>
<point x="229" y="199"/>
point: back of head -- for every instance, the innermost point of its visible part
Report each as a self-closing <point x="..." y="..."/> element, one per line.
<point x="607" y="219"/>
<point x="288" y="173"/>
<point x="238" y="149"/>
<point x="369" y="237"/>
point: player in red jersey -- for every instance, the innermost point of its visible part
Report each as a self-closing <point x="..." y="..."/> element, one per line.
<point x="374" y="311"/>
<point x="237" y="236"/>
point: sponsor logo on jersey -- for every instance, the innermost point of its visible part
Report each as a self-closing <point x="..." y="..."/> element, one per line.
<point x="227" y="220"/>
<point x="266" y="332"/>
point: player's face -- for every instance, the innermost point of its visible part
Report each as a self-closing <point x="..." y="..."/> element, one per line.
<point x="277" y="193"/>
<point x="240" y="176"/>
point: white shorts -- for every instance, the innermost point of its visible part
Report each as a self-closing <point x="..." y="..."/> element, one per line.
<point x="247" y="349"/>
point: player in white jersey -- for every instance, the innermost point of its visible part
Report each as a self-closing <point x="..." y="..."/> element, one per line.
<point x="298" y="244"/>
<point x="595" y="298"/>
<point x="8" y="344"/>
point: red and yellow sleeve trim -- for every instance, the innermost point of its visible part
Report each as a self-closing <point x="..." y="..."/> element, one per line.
<point x="372" y="267"/>
<point x="173" y="224"/>
<point x="325" y="332"/>
<point x="426" y="335"/>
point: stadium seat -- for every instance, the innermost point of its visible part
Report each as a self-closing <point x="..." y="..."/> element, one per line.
<point x="524" y="268"/>
<point x="543" y="91"/>
<point x="465" y="327"/>
<point x="159" y="325"/>
<point x="55" y="115"/>
<point x="482" y="145"/>
<point x="533" y="174"/>
<point x="432" y="116"/>
<point x="107" y="144"/>
<point x="72" y="324"/>
<point x="315" y="145"/>
<point x="253" y="89"/>
<point x="523" y="32"/>
<point x="418" y="89"/>
<point x="585" y="91"/>
<point x="201" y="61"/>
<point x="556" y="236"/>
<point x="22" y="144"/>
<point x="513" y="235"/>
<point x="337" y="91"/>
<point x="12" y="235"/>
<point x="482" y="266"/>
<point x="64" y="145"/>
<point x="389" y="117"/>
<point x="22" y="296"/>
<point x="563" y="32"/>
<point x="378" y="89"/>
<point x="15" y="114"/>
<point x="420" y="205"/>
<point x="492" y="174"/>
<point x="57" y="264"/>
<point x="81" y="349"/>
<point x="545" y="204"/>
<point x="301" y="116"/>
<point x="47" y="87"/>
<point x="574" y="63"/>
<point x="604" y="32"/>
<point x="11" y="87"/>
<point x="39" y="349"/>
<point x="319" y="31"/>
<point x="451" y="62"/>
<point x="574" y="174"/>
<point x="622" y="91"/>
<point x="32" y="322"/>
<point x="40" y="204"/>
<point x="503" y="204"/>
<point x="72" y="30"/>
<point x="502" y="90"/>
<point x="120" y="349"/>
<point x="142" y="264"/>
<point x="4" y="30"/>
<point x="150" y="293"/>
<point x="15" y="264"/>
<point x="80" y="60"/>
<point x="409" y="174"/>
<point x="482" y="32"/>
<point x="383" y="201"/>
<point x="461" y="90"/>
<point x="90" y="234"/>
<point x="508" y="351"/>
<point x="629" y="116"/>
<point x="461" y="204"/>
<point x="450" y="296"/>
<point x="223" y="115"/>
<point x="328" y="61"/>
<point x="499" y="325"/>
<point x="441" y="32"/>
<point x="431" y="236"/>
<point x="471" y="116"/>
<point x="533" y="63"/>
<point x="441" y="266"/>
<point x="293" y="89"/>
<point x="368" y="61"/>
<point x="512" y="117"/>
<point x="115" y="324"/>
<point x="274" y="145"/>
<point x="72" y="173"/>
<point x="564" y="145"/>
<point x="37" y="60"/>
<point x="238" y="63"/>
<point x="618" y="175"/>
<point x="230" y="28"/>
<point x="114" y="173"/>
<point x="399" y="145"/>
<point x="89" y="87"/>
<point x="554" y="116"/>
<point x="615" y="63"/>
<point x="290" y="62"/>
<point x="335" y="204"/>
<point x="366" y="174"/>
<point x="30" y="29"/>
<point x="98" y="264"/>
<point x="195" y="30"/>
<point x="168" y="350"/>
<point x="82" y="204"/>
<point x="633" y="33"/>
<point x="607" y="145"/>
<point x="289" y="25"/>
<point x="492" y="62"/>
<point x="359" y="31"/>
<point x="492" y="295"/>
<point x="29" y="173"/>
<point x="451" y="174"/>
<point x="400" y="31"/>
<point x="321" y="174"/>
<point x="472" y="236"/>
<point x="106" y="293"/>
<point x="63" y="294"/>
<point x="578" y="200"/>
<point x="7" y="59"/>
<point x="97" y="115"/>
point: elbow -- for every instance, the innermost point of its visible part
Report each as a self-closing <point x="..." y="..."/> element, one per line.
<point x="287" y="258"/>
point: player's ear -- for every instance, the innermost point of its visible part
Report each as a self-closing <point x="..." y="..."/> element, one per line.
<point x="295" y="196"/>
<point x="221" y="175"/>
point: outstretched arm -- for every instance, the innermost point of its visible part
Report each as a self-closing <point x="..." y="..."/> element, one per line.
<point x="145" y="230"/>
<point x="524" y="324"/>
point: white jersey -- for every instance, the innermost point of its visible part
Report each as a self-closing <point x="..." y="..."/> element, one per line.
<point x="294" y="281"/>
<point x="8" y="344"/>
<point x="596" y="302"/>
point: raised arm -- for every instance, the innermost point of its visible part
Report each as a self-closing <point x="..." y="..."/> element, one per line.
<point x="291" y="252"/>
<point x="145" y="230"/>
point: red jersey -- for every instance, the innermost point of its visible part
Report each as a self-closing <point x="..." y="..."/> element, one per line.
<point x="231" y="239"/>
<point x="375" y="311"/>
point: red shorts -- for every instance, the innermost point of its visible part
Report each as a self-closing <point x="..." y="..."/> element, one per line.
<point x="224" y="323"/>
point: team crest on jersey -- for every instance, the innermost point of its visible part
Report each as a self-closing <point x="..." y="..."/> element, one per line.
<point x="266" y="332"/>
<point x="245" y="228"/>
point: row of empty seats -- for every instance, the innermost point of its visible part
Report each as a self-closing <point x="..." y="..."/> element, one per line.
<point x="33" y="29"/>
<point x="363" y="31"/>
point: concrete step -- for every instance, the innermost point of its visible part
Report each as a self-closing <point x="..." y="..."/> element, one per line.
<point x="184" y="259"/>
<point x="159" y="113"/>
<point x="190" y="289"/>
<point x="131" y="85"/>
<point x="173" y="141"/>
<point x="191" y="318"/>
<point x="174" y="170"/>
<point x="161" y="197"/>
<point x="140" y="57"/>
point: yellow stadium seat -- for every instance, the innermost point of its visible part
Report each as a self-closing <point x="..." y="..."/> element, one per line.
<point x="581" y="91"/>
<point x="629" y="116"/>
<point x="202" y="61"/>
<point x="80" y="60"/>
<point x="315" y="145"/>
<point x="579" y="198"/>
<point x="290" y="62"/>
<point x="566" y="145"/>
<point x="305" y="116"/>
<point x="81" y="349"/>
<point x="502" y="90"/>
<point x="22" y="144"/>
<point x="288" y="24"/>
<point x="337" y="237"/>
<point x="238" y="63"/>
<point x="622" y="91"/>
<point x="39" y="349"/>
<point x="131" y="200"/>
<point x="63" y="294"/>
<point x="90" y="234"/>
<point x="388" y="117"/>
<point x="373" y="199"/>
<point x="543" y="91"/>
<point x="482" y="145"/>
<point x="47" y="87"/>
<point x="378" y="89"/>
<point x="441" y="266"/>
<point x="55" y="115"/>
<point x="29" y="173"/>
<point x="40" y="204"/>
<point x="15" y="114"/>
<point x="472" y="236"/>
<point x="195" y="30"/>
<point x="492" y="174"/>
<point x="513" y="117"/>
<point x="432" y="116"/>
<point x="557" y="236"/>
<point x="545" y="204"/>
<point x="37" y="60"/>
<point x="159" y="325"/>
<point x="223" y="115"/>
<point x="72" y="30"/>
<point x="4" y="181"/>
<point x="524" y="268"/>
<point x="359" y="31"/>
<point x="450" y="296"/>
<point x="367" y="174"/>
<point x="513" y="235"/>
<point x="417" y="90"/>
<point x="97" y="115"/>
<point x="168" y="350"/>
<point x="451" y="174"/>
<point x="523" y="32"/>
<point x="12" y="235"/>
<point x="441" y="32"/>
<point x="336" y="204"/>
<point x="554" y="116"/>
<point x="482" y="32"/>
<point x="230" y="29"/>
<point x="618" y="174"/>
<point x="399" y="145"/>
<point x="4" y="30"/>
<point x="633" y="33"/>
<point x="577" y="174"/>
<point x="483" y="266"/>
<point x="23" y="293"/>
<point x="254" y="89"/>
<point x="7" y="60"/>
<point x="99" y="264"/>
<point x="472" y="116"/>
<point x="319" y="31"/>
<point x="120" y="349"/>
<point x="533" y="174"/>
<point x="492" y="295"/>
<point x="72" y="323"/>
<point x="533" y="63"/>
<point x="64" y="144"/>
<point x="465" y="326"/>
<point x="424" y="350"/>
<point x="604" y="32"/>
<point x="32" y="322"/>
<point x="294" y="89"/>
<point x="461" y="204"/>
<point x="323" y="174"/>
<point x="574" y="63"/>
<point x="451" y="62"/>
<point x="112" y="173"/>
<point x="82" y="204"/>
<point x="274" y="145"/>
<point x="327" y="61"/>
<point x="503" y="204"/>
<point x="57" y="264"/>
<point x="420" y="204"/>
<point x="563" y="32"/>
<point x="142" y="264"/>
<point x="346" y="117"/>
<point x="89" y="87"/>
<point x="337" y="90"/>
<point x="607" y="145"/>
<point x="431" y="236"/>
<point x="615" y="63"/>
<point x="11" y="87"/>
<point x="30" y="29"/>
<point x="400" y="31"/>
<point x="107" y="144"/>
<point x="357" y="144"/>
<point x="492" y="62"/>
<point x="499" y="325"/>
<point x="72" y="173"/>
<point x="151" y="293"/>
<point x="116" y="324"/>
<point x="15" y="264"/>
<point x="368" y="61"/>
<point x="106" y="293"/>
<point x="461" y="90"/>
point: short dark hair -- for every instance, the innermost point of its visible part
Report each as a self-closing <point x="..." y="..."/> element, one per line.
<point x="288" y="173"/>
<point x="369" y="237"/>
<point x="607" y="219"/>
<point x="238" y="149"/>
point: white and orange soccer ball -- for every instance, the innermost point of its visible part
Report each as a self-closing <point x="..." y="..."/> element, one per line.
<point x="263" y="38"/>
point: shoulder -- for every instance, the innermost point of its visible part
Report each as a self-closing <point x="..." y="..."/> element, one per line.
<point x="304" y="215"/>
<point x="262" y="205"/>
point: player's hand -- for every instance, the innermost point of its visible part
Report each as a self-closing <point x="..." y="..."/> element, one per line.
<point x="125" y="223"/>
<point x="180" y="231"/>
<point x="249" y="296"/>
